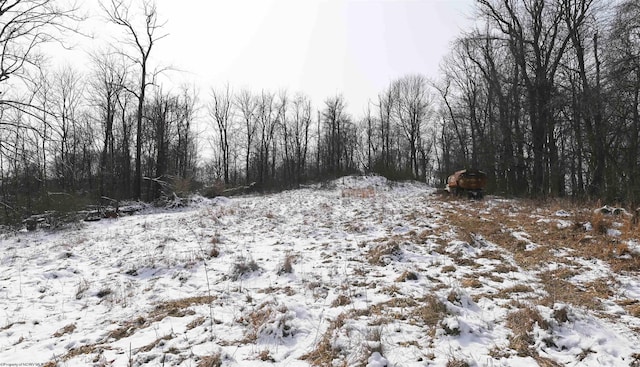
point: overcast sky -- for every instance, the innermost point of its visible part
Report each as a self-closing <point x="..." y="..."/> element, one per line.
<point x="319" y="47"/>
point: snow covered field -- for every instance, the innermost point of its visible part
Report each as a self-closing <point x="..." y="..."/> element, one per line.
<point x="359" y="272"/>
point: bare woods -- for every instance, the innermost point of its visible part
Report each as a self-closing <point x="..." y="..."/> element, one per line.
<point x="542" y="95"/>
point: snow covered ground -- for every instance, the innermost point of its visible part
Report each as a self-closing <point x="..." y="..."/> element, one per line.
<point x="357" y="272"/>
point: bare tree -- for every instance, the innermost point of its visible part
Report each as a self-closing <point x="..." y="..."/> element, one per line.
<point x="141" y="39"/>
<point x="68" y="96"/>
<point x="107" y="86"/>
<point x="296" y="137"/>
<point x="247" y="104"/>
<point x="220" y="111"/>
<point x="538" y="41"/>
<point x="27" y="24"/>
<point x="413" y="109"/>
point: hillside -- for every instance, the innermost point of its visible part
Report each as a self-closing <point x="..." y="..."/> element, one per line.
<point x="354" y="273"/>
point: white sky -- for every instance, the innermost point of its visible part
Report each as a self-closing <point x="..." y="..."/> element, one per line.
<point x="318" y="47"/>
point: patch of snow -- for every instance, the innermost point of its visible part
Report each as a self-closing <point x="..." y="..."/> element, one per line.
<point x="260" y="280"/>
<point x="377" y="360"/>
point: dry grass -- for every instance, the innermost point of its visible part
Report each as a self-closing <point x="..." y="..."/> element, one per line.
<point x="242" y="267"/>
<point x="448" y="269"/>
<point x="518" y="288"/>
<point x="588" y="295"/>
<point x="214" y="251"/>
<point x="373" y="342"/>
<point x="538" y="219"/>
<point x="381" y="254"/>
<point x="561" y="315"/>
<point x="265" y="356"/>
<point x="471" y="283"/>
<point x="341" y="300"/>
<point x="430" y="312"/>
<point x="631" y="305"/>
<point x="324" y="353"/>
<point x="158" y="342"/>
<point x="174" y="308"/>
<point x="65" y="330"/>
<point x="521" y="323"/>
<point x="214" y="360"/>
<point x="363" y="193"/>
<point x="196" y="322"/>
<point x="266" y="319"/>
<point x="287" y="264"/>
<point x="85" y="349"/>
<point x="407" y="275"/>
<point x="254" y="320"/>
<point x="455" y="362"/>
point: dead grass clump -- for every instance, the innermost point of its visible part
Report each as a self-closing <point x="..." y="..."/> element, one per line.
<point x="600" y="223"/>
<point x="431" y="312"/>
<point x="256" y="319"/>
<point x="407" y="275"/>
<point x="373" y="343"/>
<point x="214" y="252"/>
<point x="561" y="315"/>
<point x="545" y="362"/>
<point x="460" y="259"/>
<point x="588" y="295"/>
<point x="399" y="302"/>
<point x="471" y="283"/>
<point x="505" y="268"/>
<point x="493" y="255"/>
<point x="632" y="306"/>
<point x="179" y="307"/>
<point x="534" y="258"/>
<point x="601" y="288"/>
<point x="629" y="262"/>
<point x="214" y="360"/>
<point x="174" y="308"/>
<point x="341" y="300"/>
<point x="454" y="296"/>
<point x="521" y="323"/>
<point x="65" y="330"/>
<point x="82" y="350"/>
<point x="243" y="267"/>
<point x="448" y="269"/>
<point x="158" y="342"/>
<point x="287" y="264"/>
<point x="196" y="322"/>
<point x="454" y="362"/>
<point x="563" y="291"/>
<point x="381" y="254"/>
<point x="268" y="319"/>
<point x="518" y="288"/>
<point x="128" y="328"/>
<point x="265" y="356"/>
<point x="325" y="353"/>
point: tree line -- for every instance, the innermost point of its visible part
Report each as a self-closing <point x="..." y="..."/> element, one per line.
<point x="542" y="95"/>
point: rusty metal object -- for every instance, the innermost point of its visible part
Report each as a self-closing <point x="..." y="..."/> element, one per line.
<point x="467" y="181"/>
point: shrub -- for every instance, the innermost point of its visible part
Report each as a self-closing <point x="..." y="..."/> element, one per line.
<point x="243" y="267"/>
